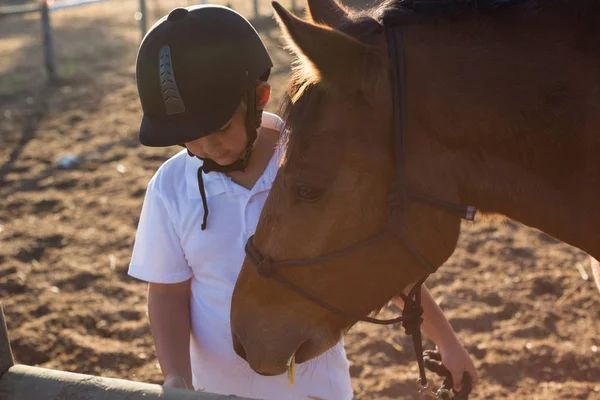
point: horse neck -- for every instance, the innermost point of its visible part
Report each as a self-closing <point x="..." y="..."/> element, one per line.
<point x="513" y="107"/>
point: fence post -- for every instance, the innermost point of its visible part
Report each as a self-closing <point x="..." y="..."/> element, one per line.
<point x="143" y="20"/>
<point x="256" y="14"/>
<point x="47" y="40"/>
<point x="6" y="356"/>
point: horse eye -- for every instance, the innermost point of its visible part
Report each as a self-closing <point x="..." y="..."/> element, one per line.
<point x="308" y="193"/>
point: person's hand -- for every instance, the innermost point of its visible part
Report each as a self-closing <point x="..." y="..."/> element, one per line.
<point x="175" y="381"/>
<point x="457" y="360"/>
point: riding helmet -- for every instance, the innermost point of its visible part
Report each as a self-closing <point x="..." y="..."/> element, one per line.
<point x="193" y="68"/>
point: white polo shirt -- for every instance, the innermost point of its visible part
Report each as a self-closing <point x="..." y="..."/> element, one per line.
<point x="170" y="247"/>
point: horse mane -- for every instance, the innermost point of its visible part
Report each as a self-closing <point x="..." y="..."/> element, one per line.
<point x="364" y="25"/>
<point x="580" y="10"/>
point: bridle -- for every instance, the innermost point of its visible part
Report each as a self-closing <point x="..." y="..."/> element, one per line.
<point x="411" y="317"/>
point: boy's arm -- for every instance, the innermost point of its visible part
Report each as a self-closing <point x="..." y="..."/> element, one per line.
<point x="169" y="313"/>
<point x="437" y="328"/>
<point x="595" y="270"/>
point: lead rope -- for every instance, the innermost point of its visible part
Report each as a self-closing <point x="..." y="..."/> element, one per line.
<point x="412" y="326"/>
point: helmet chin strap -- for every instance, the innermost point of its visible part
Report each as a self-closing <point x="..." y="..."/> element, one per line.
<point x="252" y="122"/>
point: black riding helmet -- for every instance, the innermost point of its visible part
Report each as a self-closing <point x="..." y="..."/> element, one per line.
<point x="193" y="69"/>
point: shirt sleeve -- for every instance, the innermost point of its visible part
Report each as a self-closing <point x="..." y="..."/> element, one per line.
<point x="157" y="254"/>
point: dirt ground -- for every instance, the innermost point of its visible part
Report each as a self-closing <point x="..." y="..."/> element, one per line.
<point x="517" y="298"/>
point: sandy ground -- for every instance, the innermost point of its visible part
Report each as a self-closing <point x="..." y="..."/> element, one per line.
<point x="517" y="298"/>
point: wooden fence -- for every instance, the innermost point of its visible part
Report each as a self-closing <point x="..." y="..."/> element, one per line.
<point x="22" y="382"/>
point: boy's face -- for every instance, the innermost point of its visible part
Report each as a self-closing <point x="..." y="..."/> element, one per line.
<point x="228" y="144"/>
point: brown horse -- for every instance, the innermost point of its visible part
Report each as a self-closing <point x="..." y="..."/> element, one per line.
<point x="501" y="111"/>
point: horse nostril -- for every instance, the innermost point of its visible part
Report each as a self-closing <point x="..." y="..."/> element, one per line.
<point x="238" y="348"/>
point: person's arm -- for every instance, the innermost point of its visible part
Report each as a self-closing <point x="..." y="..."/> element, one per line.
<point x="437" y="328"/>
<point x="595" y="270"/>
<point x="169" y="313"/>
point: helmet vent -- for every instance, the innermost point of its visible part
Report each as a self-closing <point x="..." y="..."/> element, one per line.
<point x="170" y="92"/>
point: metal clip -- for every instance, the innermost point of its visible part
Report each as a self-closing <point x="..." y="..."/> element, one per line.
<point x="444" y="394"/>
<point x="441" y="394"/>
<point x="426" y="389"/>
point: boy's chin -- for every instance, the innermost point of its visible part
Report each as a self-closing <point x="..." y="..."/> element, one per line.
<point x="225" y="161"/>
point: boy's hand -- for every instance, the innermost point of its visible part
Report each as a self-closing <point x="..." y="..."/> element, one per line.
<point x="175" y="381"/>
<point x="457" y="360"/>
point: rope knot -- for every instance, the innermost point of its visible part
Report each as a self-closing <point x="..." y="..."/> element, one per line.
<point x="412" y="313"/>
<point x="412" y="324"/>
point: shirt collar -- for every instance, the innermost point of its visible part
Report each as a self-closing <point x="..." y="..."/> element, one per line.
<point x="214" y="182"/>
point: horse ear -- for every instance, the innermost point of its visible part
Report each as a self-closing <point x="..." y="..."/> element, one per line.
<point x="337" y="58"/>
<point x="327" y="12"/>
